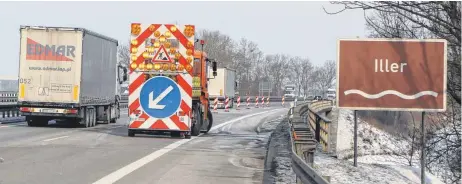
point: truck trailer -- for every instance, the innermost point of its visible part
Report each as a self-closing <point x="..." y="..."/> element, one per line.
<point x="68" y="74"/>
<point x="223" y="86"/>
<point x="168" y="91"/>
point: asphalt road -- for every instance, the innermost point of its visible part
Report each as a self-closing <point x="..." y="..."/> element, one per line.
<point x="231" y="153"/>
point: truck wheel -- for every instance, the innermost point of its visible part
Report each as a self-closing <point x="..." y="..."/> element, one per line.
<point x="131" y="133"/>
<point x="86" y="118"/>
<point x="33" y="121"/>
<point x="93" y="117"/>
<point x="116" y="113"/>
<point x="197" y="122"/>
<point x="37" y="122"/>
<point x="187" y="136"/>
<point x="210" y="119"/>
<point x="108" y="114"/>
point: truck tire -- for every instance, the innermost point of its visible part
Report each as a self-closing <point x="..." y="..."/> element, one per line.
<point x="131" y="133"/>
<point x="108" y="115"/>
<point x="210" y="119"/>
<point x="116" y="109"/>
<point x="36" y="121"/>
<point x="93" y="117"/>
<point x="197" y="122"/>
<point x="86" y="118"/>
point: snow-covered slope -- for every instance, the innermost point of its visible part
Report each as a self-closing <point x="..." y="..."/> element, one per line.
<point x="377" y="159"/>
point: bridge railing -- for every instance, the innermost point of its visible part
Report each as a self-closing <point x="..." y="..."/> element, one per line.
<point x="303" y="145"/>
<point x="320" y="123"/>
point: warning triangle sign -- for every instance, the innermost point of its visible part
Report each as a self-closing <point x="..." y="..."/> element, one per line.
<point x="162" y="55"/>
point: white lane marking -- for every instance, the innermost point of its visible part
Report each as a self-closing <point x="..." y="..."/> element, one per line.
<point x="4" y="126"/>
<point x="52" y="139"/>
<point x="124" y="171"/>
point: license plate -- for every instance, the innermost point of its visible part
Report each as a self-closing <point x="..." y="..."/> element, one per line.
<point x="49" y="110"/>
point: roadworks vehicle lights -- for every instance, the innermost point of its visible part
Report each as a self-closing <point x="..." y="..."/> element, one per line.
<point x="180" y="67"/>
<point x="188" y="31"/>
<point x="134" y="42"/>
<point x="173" y="28"/>
<point x="167" y="45"/>
<point x="190" y="45"/>
<point x="173" y="67"/>
<point x="156" y="34"/>
<point x="189" y="59"/>
<point x="166" y="66"/>
<point x="141" y="66"/>
<point x="149" y="66"/>
<point x="156" y="44"/>
<point x="136" y="29"/>
<point x="133" y="65"/>
<point x="189" y="52"/>
<point x="157" y="66"/>
<point x="134" y="50"/>
<point x="162" y="39"/>
<point x="188" y="68"/>
<point x="167" y="34"/>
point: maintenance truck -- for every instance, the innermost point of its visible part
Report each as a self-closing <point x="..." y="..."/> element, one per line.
<point x="69" y="75"/>
<point x="223" y="86"/>
<point x="168" y="88"/>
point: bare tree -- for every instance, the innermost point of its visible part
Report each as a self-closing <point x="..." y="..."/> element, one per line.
<point x="307" y="70"/>
<point x="325" y="75"/>
<point x="218" y="46"/>
<point x="123" y="52"/>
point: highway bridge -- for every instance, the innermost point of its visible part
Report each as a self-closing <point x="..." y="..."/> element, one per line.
<point x="233" y="152"/>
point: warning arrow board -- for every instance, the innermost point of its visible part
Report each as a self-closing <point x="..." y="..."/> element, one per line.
<point x="161" y="55"/>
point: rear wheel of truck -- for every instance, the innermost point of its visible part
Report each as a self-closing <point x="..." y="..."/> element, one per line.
<point x="93" y="117"/>
<point x="210" y="120"/>
<point x="86" y="118"/>
<point x="36" y="121"/>
<point x="197" y="122"/>
<point x="131" y="133"/>
<point x="108" y="115"/>
<point x="116" y="111"/>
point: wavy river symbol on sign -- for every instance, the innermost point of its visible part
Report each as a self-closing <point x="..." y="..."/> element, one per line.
<point x="390" y="92"/>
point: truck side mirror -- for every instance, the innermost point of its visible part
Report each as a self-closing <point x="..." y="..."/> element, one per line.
<point x="214" y="68"/>
<point x="125" y="75"/>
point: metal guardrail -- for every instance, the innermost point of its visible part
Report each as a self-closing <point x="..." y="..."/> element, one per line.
<point x="319" y="122"/>
<point x="303" y="146"/>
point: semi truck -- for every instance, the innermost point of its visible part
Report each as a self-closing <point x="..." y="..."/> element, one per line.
<point x="289" y="91"/>
<point x="223" y="86"/>
<point x="68" y="74"/>
<point x="168" y="88"/>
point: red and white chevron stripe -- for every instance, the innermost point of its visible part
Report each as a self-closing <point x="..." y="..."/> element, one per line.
<point x="179" y="121"/>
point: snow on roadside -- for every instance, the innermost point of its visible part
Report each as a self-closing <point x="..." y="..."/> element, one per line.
<point x="376" y="163"/>
<point x="371" y="141"/>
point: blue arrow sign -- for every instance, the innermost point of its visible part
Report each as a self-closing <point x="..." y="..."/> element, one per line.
<point x="160" y="97"/>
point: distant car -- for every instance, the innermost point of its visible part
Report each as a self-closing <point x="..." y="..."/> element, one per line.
<point x="317" y="98"/>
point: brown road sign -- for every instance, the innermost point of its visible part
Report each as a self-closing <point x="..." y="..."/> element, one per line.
<point x="392" y="74"/>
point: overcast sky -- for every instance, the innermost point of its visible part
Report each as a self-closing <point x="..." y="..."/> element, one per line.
<point x="294" y="28"/>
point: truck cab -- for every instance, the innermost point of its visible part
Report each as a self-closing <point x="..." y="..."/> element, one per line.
<point x="289" y="91"/>
<point x="330" y="94"/>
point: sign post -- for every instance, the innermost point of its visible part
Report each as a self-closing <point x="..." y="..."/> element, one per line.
<point x="392" y="75"/>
